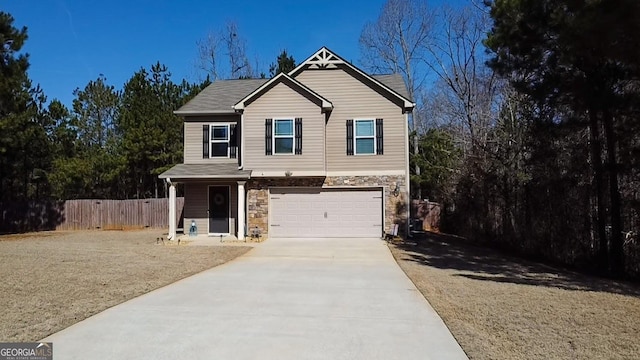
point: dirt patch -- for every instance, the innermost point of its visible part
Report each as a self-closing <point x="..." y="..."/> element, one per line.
<point x="52" y="280"/>
<point x="9" y="237"/>
<point x="502" y="307"/>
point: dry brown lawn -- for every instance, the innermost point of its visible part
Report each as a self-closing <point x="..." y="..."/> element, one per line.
<point x="502" y="307"/>
<point x="51" y="280"/>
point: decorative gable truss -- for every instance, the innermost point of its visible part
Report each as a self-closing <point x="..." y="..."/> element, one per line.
<point x="326" y="59"/>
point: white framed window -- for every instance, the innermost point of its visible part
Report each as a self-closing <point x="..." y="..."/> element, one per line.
<point x="365" y="137"/>
<point x="283" y="136"/>
<point x="219" y="142"/>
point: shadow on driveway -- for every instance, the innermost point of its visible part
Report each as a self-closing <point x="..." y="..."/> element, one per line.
<point x="485" y="264"/>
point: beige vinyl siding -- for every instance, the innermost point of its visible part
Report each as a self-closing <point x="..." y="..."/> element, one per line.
<point x="281" y="102"/>
<point x="193" y="138"/>
<point x="196" y="204"/>
<point x="354" y="100"/>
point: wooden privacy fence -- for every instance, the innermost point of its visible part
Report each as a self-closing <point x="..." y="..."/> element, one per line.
<point x="428" y="214"/>
<point x="87" y="214"/>
<point x="118" y="214"/>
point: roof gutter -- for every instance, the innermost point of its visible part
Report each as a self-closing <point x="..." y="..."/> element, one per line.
<point x="203" y="112"/>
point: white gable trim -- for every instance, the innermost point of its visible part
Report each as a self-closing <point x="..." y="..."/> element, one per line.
<point x="326" y="59"/>
<point x="240" y="105"/>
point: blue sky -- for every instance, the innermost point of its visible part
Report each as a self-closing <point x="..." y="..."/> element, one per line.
<point x="74" y="41"/>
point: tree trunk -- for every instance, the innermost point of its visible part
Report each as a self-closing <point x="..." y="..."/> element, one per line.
<point x="616" y="258"/>
<point x="416" y="149"/>
<point x="3" y="197"/>
<point x="598" y="187"/>
<point x="26" y="178"/>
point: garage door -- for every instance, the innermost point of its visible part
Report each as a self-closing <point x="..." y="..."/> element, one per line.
<point x="325" y="213"/>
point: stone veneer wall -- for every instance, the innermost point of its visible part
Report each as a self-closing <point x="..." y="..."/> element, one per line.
<point x="396" y="207"/>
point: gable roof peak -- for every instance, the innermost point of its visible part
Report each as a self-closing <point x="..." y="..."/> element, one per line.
<point x="325" y="104"/>
<point x="327" y="59"/>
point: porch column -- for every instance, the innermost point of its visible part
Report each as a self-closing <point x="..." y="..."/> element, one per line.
<point x="241" y="206"/>
<point x="172" y="210"/>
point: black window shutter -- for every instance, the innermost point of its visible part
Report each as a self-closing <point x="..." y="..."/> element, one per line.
<point x="267" y="136"/>
<point x="205" y="141"/>
<point x="233" y="142"/>
<point x="298" y="136"/>
<point x="379" y="137"/>
<point x="349" y="137"/>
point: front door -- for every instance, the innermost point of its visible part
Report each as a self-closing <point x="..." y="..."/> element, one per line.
<point x="218" y="209"/>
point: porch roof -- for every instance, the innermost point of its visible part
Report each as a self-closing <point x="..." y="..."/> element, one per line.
<point x="206" y="171"/>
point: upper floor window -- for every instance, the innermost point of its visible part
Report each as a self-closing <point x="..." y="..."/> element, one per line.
<point x="219" y="141"/>
<point x="365" y="139"/>
<point x="283" y="136"/>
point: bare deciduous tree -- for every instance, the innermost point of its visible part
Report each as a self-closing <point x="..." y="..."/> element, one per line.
<point x="207" y="61"/>
<point x="466" y="94"/>
<point x="218" y="46"/>
<point x="394" y="43"/>
<point x="236" y="51"/>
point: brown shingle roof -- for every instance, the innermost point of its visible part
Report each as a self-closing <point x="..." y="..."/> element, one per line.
<point x="221" y="95"/>
<point x="206" y="171"/>
<point x="395" y="82"/>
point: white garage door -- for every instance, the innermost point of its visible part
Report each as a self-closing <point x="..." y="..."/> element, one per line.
<point x="325" y="213"/>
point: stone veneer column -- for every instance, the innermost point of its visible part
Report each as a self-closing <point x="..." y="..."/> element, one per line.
<point x="241" y="207"/>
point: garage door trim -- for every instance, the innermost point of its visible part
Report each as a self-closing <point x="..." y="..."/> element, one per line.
<point x="326" y="203"/>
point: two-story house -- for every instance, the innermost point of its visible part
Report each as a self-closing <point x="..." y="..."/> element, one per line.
<point x="319" y="152"/>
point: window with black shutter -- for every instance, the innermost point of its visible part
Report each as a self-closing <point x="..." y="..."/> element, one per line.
<point x="205" y="141"/>
<point x="268" y="137"/>
<point x="219" y="140"/>
<point x="349" y="137"/>
<point x="233" y="141"/>
<point x="379" y="137"/>
<point x="298" y="136"/>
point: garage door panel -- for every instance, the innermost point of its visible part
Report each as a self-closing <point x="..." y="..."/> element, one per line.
<point x="327" y="213"/>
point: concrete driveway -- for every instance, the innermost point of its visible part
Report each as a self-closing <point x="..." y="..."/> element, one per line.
<point x="285" y="299"/>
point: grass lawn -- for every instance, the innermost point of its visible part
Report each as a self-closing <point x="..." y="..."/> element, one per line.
<point x="502" y="307"/>
<point x="51" y="280"/>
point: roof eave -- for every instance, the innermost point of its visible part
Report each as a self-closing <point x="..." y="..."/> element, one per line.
<point x="178" y="177"/>
<point x="409" y="106"/>
<point x="203" y="112"/>
<point x="326" y="106"/>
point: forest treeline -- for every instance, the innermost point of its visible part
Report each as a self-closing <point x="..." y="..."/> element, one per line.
<point x="111" y="144"/>
<point x="527" y="125"/>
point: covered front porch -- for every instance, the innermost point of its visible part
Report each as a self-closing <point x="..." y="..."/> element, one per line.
<point x="215" y="200"/>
